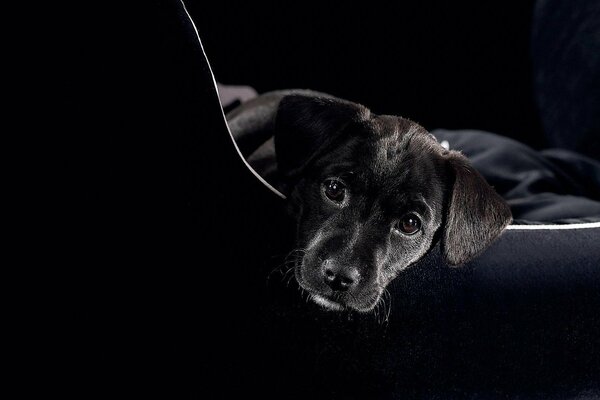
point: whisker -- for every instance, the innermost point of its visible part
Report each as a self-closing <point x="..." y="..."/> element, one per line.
<point x="386" y="293"/>
<point x="376" y="312"/>
<point x="290" y="278"/>
<point x="290" y="261"/>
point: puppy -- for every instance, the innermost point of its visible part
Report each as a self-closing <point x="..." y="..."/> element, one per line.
<point x="370" y="194"/>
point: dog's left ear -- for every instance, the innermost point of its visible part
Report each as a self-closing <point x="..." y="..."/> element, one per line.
<point x="304" y="124"/>
<point x="475" y="216"/>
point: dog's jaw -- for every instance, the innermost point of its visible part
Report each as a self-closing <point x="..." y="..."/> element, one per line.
<point x="326" y="303"/>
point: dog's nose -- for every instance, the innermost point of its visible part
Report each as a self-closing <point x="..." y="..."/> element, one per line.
<point x="340" y="279"/>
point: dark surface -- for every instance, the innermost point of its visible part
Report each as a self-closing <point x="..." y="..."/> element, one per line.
<point x="452" y="65"/>
<point x="160" y="254"/>
<point x="566" y="61"/>
<point x="166" y="286"/>
<point x="523" y="69"/>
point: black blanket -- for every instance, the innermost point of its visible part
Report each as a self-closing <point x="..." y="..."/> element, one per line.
<point x="547" y="185"/>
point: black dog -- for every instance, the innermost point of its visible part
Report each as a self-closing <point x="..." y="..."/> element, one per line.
<point x="371" y="194"/>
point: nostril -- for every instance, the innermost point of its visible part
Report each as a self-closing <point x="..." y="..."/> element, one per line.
<point x="329" y="275"/>
<point x="346" y="281"/>
<point x="339" y="281"/>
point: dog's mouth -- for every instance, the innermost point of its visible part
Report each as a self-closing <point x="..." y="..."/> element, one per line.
<point x="333" y="301"/>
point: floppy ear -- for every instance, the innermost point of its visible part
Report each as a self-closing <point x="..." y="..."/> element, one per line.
<point x="304" y="124"/>
<point x="475" y="216"/>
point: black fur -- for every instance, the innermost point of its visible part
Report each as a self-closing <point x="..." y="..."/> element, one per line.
<point x="476" y="214"/>
<point x="391" y="166"/>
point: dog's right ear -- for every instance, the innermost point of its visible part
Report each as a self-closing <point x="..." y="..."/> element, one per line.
<point x="304" y="124"/>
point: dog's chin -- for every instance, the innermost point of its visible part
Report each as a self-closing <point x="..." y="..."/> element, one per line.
<point x="327" y="304"/>
<point x="332" y="305"/>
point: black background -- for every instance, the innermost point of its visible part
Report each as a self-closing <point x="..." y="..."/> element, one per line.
<point x="452" y="65"/>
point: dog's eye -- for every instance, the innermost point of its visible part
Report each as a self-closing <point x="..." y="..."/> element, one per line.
<point x="335" y="190"/>
<point x="409" y="224"/>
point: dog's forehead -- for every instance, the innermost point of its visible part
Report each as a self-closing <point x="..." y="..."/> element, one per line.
<point x="389" y="152"/>
<point x="398" y="146"/>
<point x="391" y="139"/>
<point x="399" y="159"/>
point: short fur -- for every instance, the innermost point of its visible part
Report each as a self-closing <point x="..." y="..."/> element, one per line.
<point x="391" y="166"/>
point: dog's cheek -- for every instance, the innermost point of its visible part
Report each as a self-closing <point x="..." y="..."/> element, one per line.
<point x="403" y="254"/>
<point x="304" y="199"/>
<point x="308" y="229"/>
<point x="312" y="217"/>
<point x="300" y="211"/>
<point x="408" y="252"/>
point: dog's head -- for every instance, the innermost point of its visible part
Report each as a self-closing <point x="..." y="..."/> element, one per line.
<point x="371" y="195"/>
